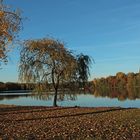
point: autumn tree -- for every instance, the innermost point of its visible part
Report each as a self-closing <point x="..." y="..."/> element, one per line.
<point x="47" y="60"/>
<point x="10" y="24"/>
<point x="131" y="80"/>
<point x="112" y="82"/>
<point x="121" y="80"/>
<point x="138" y="79"/>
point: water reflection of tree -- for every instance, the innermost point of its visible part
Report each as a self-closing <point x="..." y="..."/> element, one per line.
<point x="62" y="96"/>
<point x="131" y="93"/>
<point x="10" y="97"/>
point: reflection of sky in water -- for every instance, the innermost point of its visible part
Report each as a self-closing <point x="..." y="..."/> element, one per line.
<point x="80" y="100"/>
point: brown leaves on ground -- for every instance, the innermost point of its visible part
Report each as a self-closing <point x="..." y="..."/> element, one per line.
<point x="69" y="123"/>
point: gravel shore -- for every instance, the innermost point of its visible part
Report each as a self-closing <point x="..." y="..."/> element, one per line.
<point x="69" y="123"/>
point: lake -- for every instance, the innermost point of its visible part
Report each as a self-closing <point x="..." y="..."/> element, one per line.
<point x="82" y="99"/>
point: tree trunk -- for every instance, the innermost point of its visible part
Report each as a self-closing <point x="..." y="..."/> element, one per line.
<point x="55" y="98"/>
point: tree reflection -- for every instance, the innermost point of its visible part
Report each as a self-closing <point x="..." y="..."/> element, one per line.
<point x="16" y="96"/>
<point x="62" y="96"/>
<point x="131" y="93"/>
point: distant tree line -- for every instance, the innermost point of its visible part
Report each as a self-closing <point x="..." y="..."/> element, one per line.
<point x="15" y="86"/>
<point x="42" y="86"/>
<point x="122" y="86"/>
<point x="119" y="81"/>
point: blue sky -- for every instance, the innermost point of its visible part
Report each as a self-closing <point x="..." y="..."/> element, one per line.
<point x="106" y="30"/>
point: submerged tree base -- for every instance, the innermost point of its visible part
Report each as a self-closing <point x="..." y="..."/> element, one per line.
<point x="18" y="122"/>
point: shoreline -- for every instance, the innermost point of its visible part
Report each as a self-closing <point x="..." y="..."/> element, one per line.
<point x="13" y="105"/>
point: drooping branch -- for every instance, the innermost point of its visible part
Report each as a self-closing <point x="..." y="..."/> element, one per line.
<point x="10" y="25"/>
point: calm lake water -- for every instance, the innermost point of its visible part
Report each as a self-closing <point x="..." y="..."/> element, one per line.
<point x="83" y="100"/>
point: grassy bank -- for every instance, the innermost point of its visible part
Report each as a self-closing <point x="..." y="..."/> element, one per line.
<point x="70" y="123"/>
